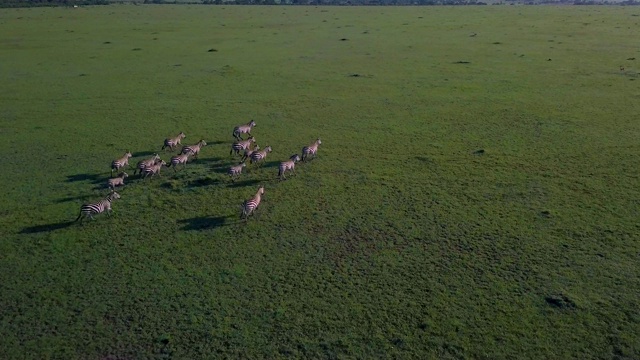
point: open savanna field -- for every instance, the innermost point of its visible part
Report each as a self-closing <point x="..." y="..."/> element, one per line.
<point x="475" y="196"/>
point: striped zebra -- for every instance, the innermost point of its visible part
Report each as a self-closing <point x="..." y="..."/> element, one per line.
<point x="88" y="210"/>
<point x="243" y="129"/>
<point x="288" y="165"/>
<point x="249" y="206"/>
<point x="248" y="152"/>
<point x="310" y="150"/>
<point x="173" y="142"/>
<point x="194" y="149"/>
<point x="179" y="159"/>
<point x="120" y="163"/>
<point x="241" y="145"/>
<point x="235" y="171"/>
<point x="117" y="181"/>
<point x="144" y="163"/>
<point x="259" y="156"/>
<point x="153" y="169"/>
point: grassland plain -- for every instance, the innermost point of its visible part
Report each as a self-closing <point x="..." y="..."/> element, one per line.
<point x="401" y="240"/>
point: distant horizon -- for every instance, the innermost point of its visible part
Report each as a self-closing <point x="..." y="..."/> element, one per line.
<point x="381" y="3"/>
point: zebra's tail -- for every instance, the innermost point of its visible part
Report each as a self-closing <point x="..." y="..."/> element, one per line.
<point x="79" y="216"/>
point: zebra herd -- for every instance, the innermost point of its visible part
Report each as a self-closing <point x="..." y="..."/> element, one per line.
<point x="150" y="167"/>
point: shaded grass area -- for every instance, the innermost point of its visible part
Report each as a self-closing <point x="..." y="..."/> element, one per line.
<point x="470" y="199"/>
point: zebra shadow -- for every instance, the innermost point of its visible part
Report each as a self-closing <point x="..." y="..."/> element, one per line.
<point x="207" y="181"/>
<point x="205" y="160"/>
<point x="270" y="164"/>
<point x="73" y="198"/>
<point x="206" y="222"/>
<point x="144" y="153"/>
<point x="46" y="228"/>
<point x="223" y="168"/>
<point x="93" y="178"/>
<point x="424" y="159"/>
<point x="243" y="183"/>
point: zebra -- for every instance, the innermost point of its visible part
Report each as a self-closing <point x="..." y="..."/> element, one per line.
<point x="310" y="150"/>
<point x="235" y="171"/>
<point x="241" y="145"/>
<point x="179" y="159"/>
<point x="259" y="156"/>
<point x="288" y="165"/>
<point x="243" y="129"/>
<point x="99" y="207"/>
<point x="173" y="142"/>
<point x="120" y="163"/>
<point x="153" y="169"/>
<point x="117" y="181"/>
<point x="144" y="163"/>
<point x="249" y="206"/>
<point x="248" y="152"/>
<point x="194" y="149"/>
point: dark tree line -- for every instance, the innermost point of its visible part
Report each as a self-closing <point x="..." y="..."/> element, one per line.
<point x="36" y="3"/>
<point x="30" y="3"/>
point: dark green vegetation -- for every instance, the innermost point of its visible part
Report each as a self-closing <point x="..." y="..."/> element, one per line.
<point x="474" y="196"/>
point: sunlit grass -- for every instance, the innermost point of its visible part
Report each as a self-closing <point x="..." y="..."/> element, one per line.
<point x="473" y="196"/>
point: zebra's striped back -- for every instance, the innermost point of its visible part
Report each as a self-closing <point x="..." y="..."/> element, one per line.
<point x="249" y="206"/>
<point x="118" y="181"/>
<point x="248" y="152"/>
<point x="194" y="149"/>
<point x="288" y="165"/>
<point x="99" y="207"/>
<point x="258" y="156"/>
<point x="179" y="159"/>
<point x="243" y="129"/>
<point x="241" y="145"/>
<point x="121" y="162"/>
<point x="153" y="169"/>
<point x="310" y="150"/>
<point x="144" y="163"/>
<point x="235" y="171"/>
<point x="173" y="142"/>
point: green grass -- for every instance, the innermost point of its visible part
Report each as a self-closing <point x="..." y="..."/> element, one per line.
<point x="400" y="240"/>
